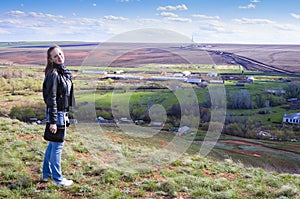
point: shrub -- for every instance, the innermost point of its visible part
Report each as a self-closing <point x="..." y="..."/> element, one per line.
<point x="25" y="113"/>
<point x="233" y="129"/>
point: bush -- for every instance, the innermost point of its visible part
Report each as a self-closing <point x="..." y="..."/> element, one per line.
<point x="292" y="89"/>
<point x="275" y="100"/>
<point x="234" y="129"/>
<point x="25" y="113"/>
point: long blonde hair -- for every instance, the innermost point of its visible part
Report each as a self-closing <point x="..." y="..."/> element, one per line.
<point x="49" y="62"/>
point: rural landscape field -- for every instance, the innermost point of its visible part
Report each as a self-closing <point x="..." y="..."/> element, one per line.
<point x="156" y="120"/>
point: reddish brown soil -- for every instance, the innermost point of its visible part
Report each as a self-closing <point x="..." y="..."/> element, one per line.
<point x="283" y="57"/>
<point x="259" y="145"/>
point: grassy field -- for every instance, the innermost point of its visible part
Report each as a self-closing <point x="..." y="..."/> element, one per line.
<point x="107" y="163"/>
<point x="167" y="99"/>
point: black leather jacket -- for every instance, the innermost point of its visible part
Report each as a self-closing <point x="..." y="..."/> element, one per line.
<point x="55" y="95"/>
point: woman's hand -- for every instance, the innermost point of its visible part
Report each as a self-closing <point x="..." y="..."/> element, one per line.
<point x="53" y="128"/>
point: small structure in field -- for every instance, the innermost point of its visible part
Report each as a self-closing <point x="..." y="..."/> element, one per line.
<point x="293" y="118"/>
<point x="250" y="79"/>
<point x="186" y="73"/>
<point x="193" y="80"/>
<point x="216" y="81"/>
<point x="212" y="74"/>
<point x="183" y="130"/>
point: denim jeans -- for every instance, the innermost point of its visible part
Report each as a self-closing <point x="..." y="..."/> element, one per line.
<point x="52" y="161"/>
<point x="60" y="117"/>
<point x="52" y="158"/>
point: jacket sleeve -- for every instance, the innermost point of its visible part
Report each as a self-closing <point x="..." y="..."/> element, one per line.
<point x="72" y="97"/>
<point x="49" y="94"/>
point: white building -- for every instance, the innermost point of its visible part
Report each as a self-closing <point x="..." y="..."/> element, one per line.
<point x="212" y="74"/>
<point x="293" y="118"/>
<point x="215" y="81"/>
<point x="193" y="80"/>
<point x="250" y="79"/>
<point x="160" y="78"/>
<point x="186" y="73"/>
<point x="94" y="72"/>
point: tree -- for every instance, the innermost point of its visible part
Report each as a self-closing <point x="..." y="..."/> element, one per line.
<point x="260" y="101"/>
<point x="240" y="100"/>
<point x="292" y="89"/>
<point x="234" y="129"/>
<point x="175" y="111"/>
<point x="275" y="100"/>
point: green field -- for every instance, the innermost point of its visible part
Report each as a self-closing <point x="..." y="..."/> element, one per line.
<point x="93" y="102"/>
<point x="118" y="162"/>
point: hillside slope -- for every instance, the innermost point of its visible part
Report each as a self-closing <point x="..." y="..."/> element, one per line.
<point x="110" y="164"/>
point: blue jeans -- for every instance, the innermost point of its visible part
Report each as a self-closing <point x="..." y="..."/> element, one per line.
<point x="52" y="158"/>
<point x="60" y="117"/>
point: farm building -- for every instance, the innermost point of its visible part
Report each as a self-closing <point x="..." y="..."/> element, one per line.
<point x="118" y="72"/>
<point x="159" y="78"/>
<point x="213" y="81"/>
<point x="116" y="77"/>
<point x="122" y="77"/>
<point x="156" y="124"/>
<point x="178" y="75"/>
<point x="294" y="99"/>
<point x="212" y="74"/>
<point x="186" y="73"/>
<point x="291" y="118"/>
<point x="94" y="72"/>
<point x="193" y="80"/>
<point x="250" y="79"/>
<point x="275" y="91"/>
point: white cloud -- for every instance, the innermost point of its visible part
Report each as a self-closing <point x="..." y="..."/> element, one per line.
<point x="286" y="27"/>
<point x="41" y="15"/>
<point x="213" y="26"/>
<point x="2" y="31"/>
<point x="18" y="25"/>
<point x="255" y="1"/>
<point x="178" y="19"/>
<point x="94" y="4"/>
<point x="111" y="17"/>
<point x="168" y="14"/>
<point x="249" y="6"/>
<point x="16" y="13"/>
<point x="296" y="16"/>
<point x="178" y="7"/>
<point x="253" y="21"/>
<point x="10" y="22"/>
<point x="205" y="16"/>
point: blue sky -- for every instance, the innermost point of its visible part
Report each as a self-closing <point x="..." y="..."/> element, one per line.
<point x="207" y="21"/>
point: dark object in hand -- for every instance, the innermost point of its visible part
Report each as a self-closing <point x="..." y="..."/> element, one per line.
<point x="59" y="136"/>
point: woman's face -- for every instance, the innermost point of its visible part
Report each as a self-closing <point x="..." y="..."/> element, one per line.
<point x="57" y="56"/>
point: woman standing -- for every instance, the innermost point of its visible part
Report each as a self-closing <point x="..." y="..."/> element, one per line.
<point x="58" y="96"/>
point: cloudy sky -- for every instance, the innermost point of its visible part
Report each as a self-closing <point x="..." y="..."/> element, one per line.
<point x="207" y="21"/>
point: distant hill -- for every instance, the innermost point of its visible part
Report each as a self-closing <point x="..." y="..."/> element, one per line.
<point x="283" y="57"/>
